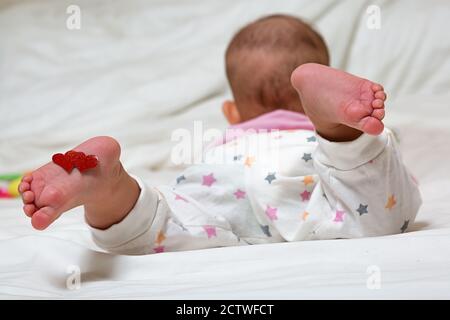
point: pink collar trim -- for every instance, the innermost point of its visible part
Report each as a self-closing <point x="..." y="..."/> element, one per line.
<point x="275" y="120"/>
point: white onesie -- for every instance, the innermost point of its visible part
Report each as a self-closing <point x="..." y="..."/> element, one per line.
<point x="276" y="186"/>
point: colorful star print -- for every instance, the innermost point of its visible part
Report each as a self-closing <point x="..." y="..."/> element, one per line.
<point x="305" y="195"/>
<point x="307" y="157"/>
<point x="210" y="231"/>
<point x="239" y="194"/>
<point x="311" y="139"/>
<point x="404" y="226"/>
<point x="271" y="213"/>
<point x="362" y="209"/>
<point x="307" y="180"/>
<point x="391" y="202"/>
<point x="270" y="177"/>
<point x="339" y="216"/>
<point x="249" y="161"/>
<point x="180" y="178"/>
<point x="208" y="180"/>
<point x="158" y="249"/>
<point x="160" y="237"/>
<point x="266" y="230"/>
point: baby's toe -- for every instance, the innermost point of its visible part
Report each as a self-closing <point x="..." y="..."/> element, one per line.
<point x="29" y="209"/>
<point x="380" y="95"/>
<point x="378" y="113"/>
<point x="27" y="178"/>
<point x="23" y="186"/>
<point x="28" y="197"/>
<point x="377" y="103"/>
<point x="372" y="126"/>
<point x="43" y="217"/>
<point x="377" y="87"/>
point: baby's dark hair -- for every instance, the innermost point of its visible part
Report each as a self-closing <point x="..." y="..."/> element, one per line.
<point x="261" y="57"/>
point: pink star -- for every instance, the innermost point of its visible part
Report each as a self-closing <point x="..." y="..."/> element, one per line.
<point x="178" y="197"/>
<point x="158" y="249"/>
<point x="239" y="194"/>
<point x="305" y="195"/>
<point x="339" y="216"/>
<point x="208" y="180"/>
<point x="271" y="213"/>
<point x="210" y="231"/>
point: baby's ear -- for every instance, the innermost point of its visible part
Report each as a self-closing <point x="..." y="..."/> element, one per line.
<point x="231" y="112"/>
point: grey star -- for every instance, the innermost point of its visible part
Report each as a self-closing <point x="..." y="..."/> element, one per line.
<point x="306" y="157"/>
<point x="311" y="139"/>
<point x="362" y="209"/>
<point x="266" y="231"/>
<point x="237" y="158"/>
<point x="180" y="178"/>
<point x="405" y="226"/>
<point x="270" y="177"/>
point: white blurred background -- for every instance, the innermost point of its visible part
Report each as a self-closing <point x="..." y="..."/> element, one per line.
<point x="138" y="69"/>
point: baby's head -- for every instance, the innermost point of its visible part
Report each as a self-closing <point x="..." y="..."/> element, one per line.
<point x="259" y="61"/>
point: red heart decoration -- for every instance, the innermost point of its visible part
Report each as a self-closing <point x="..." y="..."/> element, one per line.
<point x="88" y="162"/>
<point x="74" y="156"/>
<point x="62" y="161"/>
<point x="76" y="159"/>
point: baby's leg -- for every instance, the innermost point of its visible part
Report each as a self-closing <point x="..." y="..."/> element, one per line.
<point x="363" y="188"/>
<point x="340" y="105"/>
<point x="107" y="192"/>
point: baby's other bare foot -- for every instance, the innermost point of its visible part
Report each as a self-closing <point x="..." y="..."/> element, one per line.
<point x="340" y="105"/>
<point x="49" y="191"/>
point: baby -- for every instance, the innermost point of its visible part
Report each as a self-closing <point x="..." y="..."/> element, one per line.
<point x="331" y="170"/>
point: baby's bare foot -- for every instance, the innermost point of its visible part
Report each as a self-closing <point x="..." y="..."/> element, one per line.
<point x="49" y="191"/>
<point x="340" y="105"/>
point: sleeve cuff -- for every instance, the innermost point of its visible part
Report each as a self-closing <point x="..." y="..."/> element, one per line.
<point x="138" y="221"/>
<point x="351" y="154"/>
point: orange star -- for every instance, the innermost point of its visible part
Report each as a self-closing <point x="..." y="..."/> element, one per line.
<point x="249" y="161"/>
<point x="391" y="202"/>
<point x="305" y="215"/>
<point x="160" y="237"/>
<point x="307" y="180"/>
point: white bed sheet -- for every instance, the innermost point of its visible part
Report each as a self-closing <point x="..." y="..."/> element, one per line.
<point x="136" y="70"/>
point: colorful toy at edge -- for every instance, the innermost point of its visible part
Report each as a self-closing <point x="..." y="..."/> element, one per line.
<point x="9" y="184"/>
